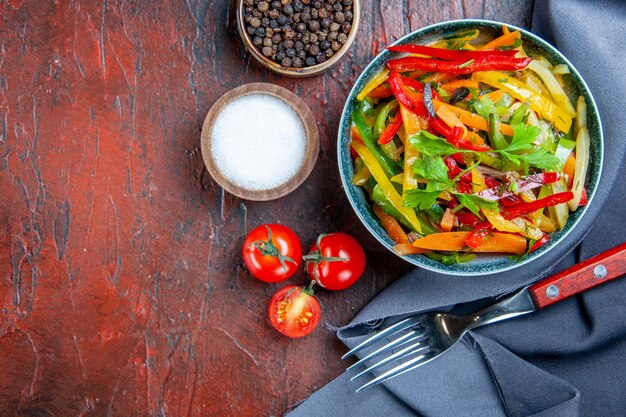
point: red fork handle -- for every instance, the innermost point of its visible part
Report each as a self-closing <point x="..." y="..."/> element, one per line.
<point x="595" y="271"/>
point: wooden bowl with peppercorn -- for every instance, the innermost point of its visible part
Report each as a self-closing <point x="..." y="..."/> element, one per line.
<point x="298" y="38"/>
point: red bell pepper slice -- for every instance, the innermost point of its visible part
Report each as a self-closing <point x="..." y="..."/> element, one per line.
<point x="525" y="208"/>
<point x="454" y="135"/>
<point x="511" y="201"/>
<point x="454" y="170"/>
<point x="477" y="236"/>
<point x="491" y="63"/>
<point x="391" y="129"/>
<point x="467" y="218"/>
<point x="450" y="54"/>
<point x="544" y="239"/>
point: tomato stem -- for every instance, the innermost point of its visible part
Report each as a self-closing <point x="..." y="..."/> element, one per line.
<point x="309" y="290"/>
<point x="268" y="248"/>
<point x="316" y="257"/>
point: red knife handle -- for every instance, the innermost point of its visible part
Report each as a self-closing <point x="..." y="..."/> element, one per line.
<point x="581" y="277"/>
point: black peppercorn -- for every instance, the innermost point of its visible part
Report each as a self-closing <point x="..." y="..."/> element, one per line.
<point x="314" y="25"/>
<point x="273" y="14"/>
<point x="290" y="33"/>
<point x="298" y="33"/>
<point x="263" y="6"/>
<point x="314" y="50"/>
<point x="282" y="20"/>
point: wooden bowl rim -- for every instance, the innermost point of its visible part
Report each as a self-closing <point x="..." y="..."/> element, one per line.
<point x="310" y="154"/>
<point x="292" y="71"/>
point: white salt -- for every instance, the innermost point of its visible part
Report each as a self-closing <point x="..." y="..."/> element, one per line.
<point x="258" y="141"/>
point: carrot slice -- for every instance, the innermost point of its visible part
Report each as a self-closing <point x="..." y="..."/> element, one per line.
<point x="455" y="241"/>
<point x="568" y="169"/>
<point x="450" y="86"/>
<point x="447" y="221"/>
<point x="407" y="249"/>
<point x="471" y="119"/>
<point x="504" y="40"/>
<point x="391" y="225"/>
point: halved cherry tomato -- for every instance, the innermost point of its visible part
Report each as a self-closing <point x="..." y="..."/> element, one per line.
<point x="294" y="311"/>
<point x="336" y="261"/>
<point x="272" y="252"/>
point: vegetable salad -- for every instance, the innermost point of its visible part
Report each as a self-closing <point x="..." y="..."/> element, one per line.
<point x="468" y="146"/>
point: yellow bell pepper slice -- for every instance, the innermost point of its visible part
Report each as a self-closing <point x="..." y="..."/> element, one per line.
<point x="517" y="225"/>
<point x="388" y="189"/>
<point x="539" y="103"/>
<point x="380" y="78"/>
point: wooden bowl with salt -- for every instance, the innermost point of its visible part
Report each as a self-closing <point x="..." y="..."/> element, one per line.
<point x="259" y="141"/>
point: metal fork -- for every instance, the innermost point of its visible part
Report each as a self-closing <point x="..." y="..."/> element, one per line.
<point x="417" y="340"/>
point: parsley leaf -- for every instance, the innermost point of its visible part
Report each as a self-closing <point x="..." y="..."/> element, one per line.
<point x="431" y="168"/>
<point x="430" y="144"/>
<point x="523" y="137"/>
<point x="542" y="159"/>
<point x="473" y="202"/>
<point x="420" y="199"/>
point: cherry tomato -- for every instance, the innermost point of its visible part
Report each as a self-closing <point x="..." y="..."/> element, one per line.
<point x="272" y="252"/>
<point x="336" y="261"/>
<point x="294" y="311"/>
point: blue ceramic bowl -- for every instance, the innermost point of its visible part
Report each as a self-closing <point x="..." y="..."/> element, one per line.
<point x="483" y="264"/>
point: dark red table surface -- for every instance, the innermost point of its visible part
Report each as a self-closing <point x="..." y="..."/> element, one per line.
<point x="123" y="291"/>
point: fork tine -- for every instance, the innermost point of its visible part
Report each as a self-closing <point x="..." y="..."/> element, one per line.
<point x="402" y="340"/>
<point x="399" y="370"/>
<point x="407" y="351"/>
<point x="389" y="331"/>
